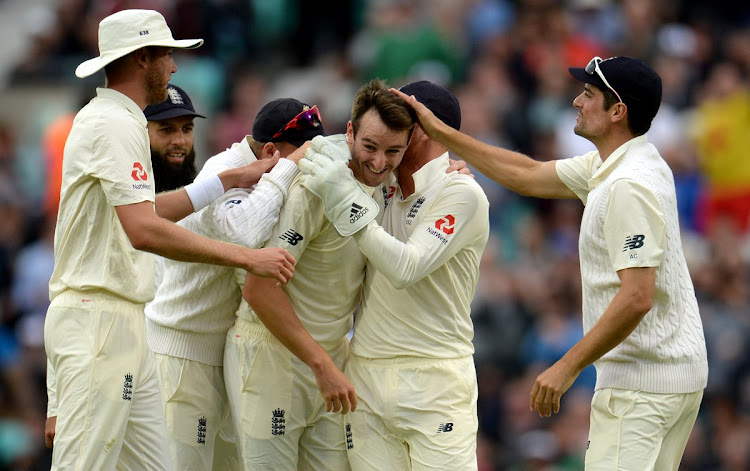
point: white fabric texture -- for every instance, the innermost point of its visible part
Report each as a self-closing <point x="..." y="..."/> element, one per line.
<point x="667" y="351"/>
<point x="107" y="163"/>
<point x="432" y="262"/>
<point x="195" y="303"/>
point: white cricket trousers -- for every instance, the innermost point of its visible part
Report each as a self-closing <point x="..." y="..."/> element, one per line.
<point x="110" y="414"/>
<point x="639" y="431"/>
<point x="201" y="437"/>
<point x="279" y="416"/>
<point x="412" y="413"/>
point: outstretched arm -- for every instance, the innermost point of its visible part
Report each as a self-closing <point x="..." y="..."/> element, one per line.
<point x="513" y="170"/>
<point x="273" y="308"/>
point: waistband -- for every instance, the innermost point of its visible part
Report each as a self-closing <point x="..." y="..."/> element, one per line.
<point x="409" y="360"/>
<point x="72" y="296"/>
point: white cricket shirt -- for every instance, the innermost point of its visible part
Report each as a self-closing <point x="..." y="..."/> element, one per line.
<point x="630" y="220"/>
<point x="325" y="288"/>
<point x="420" y="282"/>
<point x="106" y="163"/>
<point x="195" y="303"/>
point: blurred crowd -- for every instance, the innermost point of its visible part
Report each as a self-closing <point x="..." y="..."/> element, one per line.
<point x="506" y="60"/>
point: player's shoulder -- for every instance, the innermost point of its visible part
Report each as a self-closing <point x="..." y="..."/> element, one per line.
<point x="465" y="183"/>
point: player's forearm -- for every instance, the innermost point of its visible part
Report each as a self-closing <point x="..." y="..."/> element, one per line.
<point x="621" y="318"/>
<point x="173" y="205"/>
<point x="276" y="312"/>
<point x="399" y="262"/>
<point x="247" y="218"/>
<point x="169" y="240"/>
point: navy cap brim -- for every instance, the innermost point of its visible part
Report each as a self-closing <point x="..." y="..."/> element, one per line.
<point x="579" y="73"/>
<point x="173" y="113"/>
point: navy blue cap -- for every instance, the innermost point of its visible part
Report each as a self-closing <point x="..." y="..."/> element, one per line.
<point x="638" y="85"/>
<point x="178" y="103"/>
<point x="275" y="115"/>
<point x="437" y="99"/>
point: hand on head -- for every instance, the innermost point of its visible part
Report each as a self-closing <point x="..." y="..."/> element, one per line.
<point x="427" y="120"/>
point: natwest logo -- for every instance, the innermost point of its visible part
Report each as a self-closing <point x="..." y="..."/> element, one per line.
<point x="446" y="224"/>
<point x="139" y="174"/>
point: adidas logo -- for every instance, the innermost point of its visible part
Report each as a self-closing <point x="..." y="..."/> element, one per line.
<point x="356" y="213"/>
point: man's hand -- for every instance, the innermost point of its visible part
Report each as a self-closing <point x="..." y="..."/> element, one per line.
<point x="49" y="431"/>
<point x="430" y="123"/>
<point x="549" y="387"/>
<point x="271" y="262"/>
<point x="299" y="153"/>
<point x="345" y="203"/>
<point x="247" y="175"/>
<point x="335" y="147"/>
<point x="336" y="389"/>
<point x="460" y="167"/>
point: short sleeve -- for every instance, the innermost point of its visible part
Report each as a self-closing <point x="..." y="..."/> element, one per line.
<point x="634" y="226"/>
<point x="122" y="163"/>
<point x="576" y="172"/>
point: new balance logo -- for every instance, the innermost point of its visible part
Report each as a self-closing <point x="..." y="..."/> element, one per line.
<point x="127" y="388"/>
<point x="202" y="430"/>
<point x="633" y="242"/>
<point x="356" y="213"/>
<point x="349" y="441"/>
<point x="278" y="422"/>
<point x="445" y="428"/>
<point x="291" y="237"/>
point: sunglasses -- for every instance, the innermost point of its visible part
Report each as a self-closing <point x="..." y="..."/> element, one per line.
<point x="306" y="119"/>
<point x="593" y="68"/>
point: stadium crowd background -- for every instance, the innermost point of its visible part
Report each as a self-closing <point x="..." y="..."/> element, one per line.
<point x="507" y="63"/>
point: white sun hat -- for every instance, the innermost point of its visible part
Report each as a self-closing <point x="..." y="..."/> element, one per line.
<point x="125" y="31"/>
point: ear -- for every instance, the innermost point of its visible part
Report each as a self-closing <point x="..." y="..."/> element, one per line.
<point x="141" y="57"/>
<point x="619" y="111"/>
<point x="267" y="151"/>
<point x="350" y="134"/>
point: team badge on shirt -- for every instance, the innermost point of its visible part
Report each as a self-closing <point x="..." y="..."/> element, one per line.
<point x="414" y="209"/>
<point x="278" y="422"/>
<point x="388" y="192"/>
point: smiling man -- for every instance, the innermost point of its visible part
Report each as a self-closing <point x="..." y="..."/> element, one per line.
<point x="170" y="130"/>
<point x="280" y="396"/>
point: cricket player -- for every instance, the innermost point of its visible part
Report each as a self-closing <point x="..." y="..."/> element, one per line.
<point x="641" y="321"/>
<point x="195" y="303"/>
<point x="412" y="353"/>
<point x="109" y="411"/>
<point x="282" y="382"/>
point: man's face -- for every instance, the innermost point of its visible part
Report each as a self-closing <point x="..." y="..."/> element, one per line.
<point x="159" y="73"/>
<point x="376" y="149"/>
<point x="172" y="139"/>
<point x="593" y="120"/>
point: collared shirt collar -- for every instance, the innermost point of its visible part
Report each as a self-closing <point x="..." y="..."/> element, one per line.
<point x="608" y="165"/>
<point x="124" y="100"/>
<point x="244" y="150"/>
<point x="429" y="173"/>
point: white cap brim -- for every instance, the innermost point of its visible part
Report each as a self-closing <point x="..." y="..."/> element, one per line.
<point x="96" y="64"/>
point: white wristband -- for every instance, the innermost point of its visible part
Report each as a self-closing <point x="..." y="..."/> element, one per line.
<point x="204" y="191"/>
